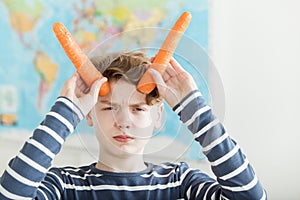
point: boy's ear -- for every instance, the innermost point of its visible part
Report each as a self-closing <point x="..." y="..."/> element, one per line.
<point x="158" y="122"/>
<point x="89" y="120"/>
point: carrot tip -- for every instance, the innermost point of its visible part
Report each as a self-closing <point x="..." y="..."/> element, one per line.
<point x="147" y="88"/>
<point x="105" y="88"/>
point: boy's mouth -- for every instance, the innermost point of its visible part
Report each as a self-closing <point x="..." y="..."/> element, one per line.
<point x="123" y="138"/>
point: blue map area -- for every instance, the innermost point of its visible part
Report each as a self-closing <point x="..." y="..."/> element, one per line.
<point x="33" y="66"/>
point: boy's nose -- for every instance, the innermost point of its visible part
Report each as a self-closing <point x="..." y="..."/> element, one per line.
<point x="122" y="120"/>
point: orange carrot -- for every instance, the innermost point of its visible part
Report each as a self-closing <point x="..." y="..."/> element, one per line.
<point x="147" y="84"/>
<point x="82" y="63"/>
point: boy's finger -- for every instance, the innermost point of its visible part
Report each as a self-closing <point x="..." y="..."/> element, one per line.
<point x="170" y="70"/>
<point x="72" y="80"/>
<point x="176" y="66"/>
<point x="69" y="86"/>
<point x="94" y="90"/>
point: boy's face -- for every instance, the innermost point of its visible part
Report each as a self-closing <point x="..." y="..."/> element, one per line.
<point x="122" y="121"/>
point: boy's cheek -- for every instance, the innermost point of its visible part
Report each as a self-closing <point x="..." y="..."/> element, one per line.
<point x="144" y="121"/>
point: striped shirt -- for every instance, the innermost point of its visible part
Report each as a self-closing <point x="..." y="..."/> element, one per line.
<point x="29" y="175"/>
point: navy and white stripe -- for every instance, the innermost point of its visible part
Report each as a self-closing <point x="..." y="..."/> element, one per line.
<point x="29" y="174"/>
<point x="235" y="175"/>
<point x="28" y="169"/>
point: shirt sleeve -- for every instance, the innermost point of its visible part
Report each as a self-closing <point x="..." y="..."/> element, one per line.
<point x="24" y="174"/>
<point x="236" y="178"/>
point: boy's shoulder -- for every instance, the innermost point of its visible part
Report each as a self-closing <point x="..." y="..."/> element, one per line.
<point x="168" y="167"/>
<point x="72" y="170"/>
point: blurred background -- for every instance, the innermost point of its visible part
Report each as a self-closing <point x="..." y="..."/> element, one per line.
<point x="243" y="56"/>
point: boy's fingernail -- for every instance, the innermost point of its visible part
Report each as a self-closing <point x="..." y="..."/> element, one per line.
<point x="151" y="70"/>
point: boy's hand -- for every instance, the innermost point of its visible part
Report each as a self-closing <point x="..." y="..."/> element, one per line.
<point x="78" y="92"/>
<point x="174" y="84"/>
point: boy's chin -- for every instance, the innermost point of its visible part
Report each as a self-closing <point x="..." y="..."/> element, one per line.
<point x="128" y="150"/>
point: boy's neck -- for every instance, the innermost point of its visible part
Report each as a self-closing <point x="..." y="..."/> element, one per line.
<point x="128" y="164"/>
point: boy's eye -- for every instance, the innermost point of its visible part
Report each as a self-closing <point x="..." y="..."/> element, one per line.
<point x="138" y="109"/>
<point x="108" y="108"/>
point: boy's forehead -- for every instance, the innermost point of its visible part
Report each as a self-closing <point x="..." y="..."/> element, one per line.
<point x="123" y="92"/>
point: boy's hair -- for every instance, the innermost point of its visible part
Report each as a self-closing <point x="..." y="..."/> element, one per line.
<point x="128" y="65"/>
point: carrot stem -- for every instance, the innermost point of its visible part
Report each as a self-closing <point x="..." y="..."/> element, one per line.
<point x="147" y="84"/>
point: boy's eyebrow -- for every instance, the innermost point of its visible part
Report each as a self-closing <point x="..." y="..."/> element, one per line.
<point x="132" y="105"/>
<point x="138" y="104"/>
<point x="106" y="102"/>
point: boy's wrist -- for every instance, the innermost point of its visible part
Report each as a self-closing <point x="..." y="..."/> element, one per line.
<point x="67" y="108"/>
<point x="179" y="103"/>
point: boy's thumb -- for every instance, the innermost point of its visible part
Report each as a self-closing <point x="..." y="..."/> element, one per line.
<point x="160" y="83"/>
<point x="95" y="89"/>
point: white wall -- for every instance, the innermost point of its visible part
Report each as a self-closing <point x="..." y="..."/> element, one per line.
<point x="255" y="46"/>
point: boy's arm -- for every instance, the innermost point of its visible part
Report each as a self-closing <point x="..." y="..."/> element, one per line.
<point x="235" y="176"/>
<point x="24" y="174"/>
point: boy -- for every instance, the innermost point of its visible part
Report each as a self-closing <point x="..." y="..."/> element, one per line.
<point x="123" y="122"/>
